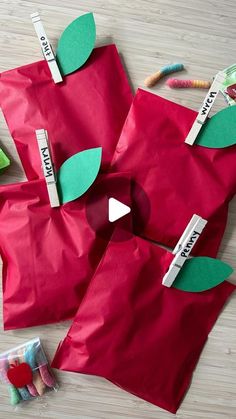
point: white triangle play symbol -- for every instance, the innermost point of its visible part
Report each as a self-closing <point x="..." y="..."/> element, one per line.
<point x="116" y="209"/>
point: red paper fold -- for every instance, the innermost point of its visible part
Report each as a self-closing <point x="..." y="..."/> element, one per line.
<point x="137" y="333"/>
<point x="86" y="110"/>
<point x="50" y="254"/>
<point x="178" y="180"/>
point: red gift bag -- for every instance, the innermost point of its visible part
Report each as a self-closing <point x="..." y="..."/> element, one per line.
<point x="86" y="110"/>
<point x="137" y="333"/>
<point x="177" y="180"/>
<point x="49" y="254"/>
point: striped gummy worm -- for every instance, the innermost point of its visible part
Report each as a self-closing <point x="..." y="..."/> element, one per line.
<point x="46" y="376"/>
<point x="168" y="69"/>
<point x="186" y="84"/>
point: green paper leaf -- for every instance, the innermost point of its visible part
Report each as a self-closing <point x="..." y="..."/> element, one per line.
<point x="201" y="273"/>
<point x="78" y="173"/>
<point x="76" y="44"/>
<point x="220" y="130"/>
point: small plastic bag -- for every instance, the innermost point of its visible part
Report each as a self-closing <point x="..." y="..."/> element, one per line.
<point x="25" y="371"/>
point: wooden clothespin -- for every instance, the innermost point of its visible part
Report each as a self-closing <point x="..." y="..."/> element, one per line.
<point x="183" y="248"/>
<point x="48" y="171"/>
<point x="46" y="48"/>
<point x="205" y="108"/>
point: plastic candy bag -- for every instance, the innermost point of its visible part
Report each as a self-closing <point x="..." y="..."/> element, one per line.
<point x="25" y="371"/>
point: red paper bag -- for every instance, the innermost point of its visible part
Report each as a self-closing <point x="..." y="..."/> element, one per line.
<point x="177" y="180"/>
<point x="86" y="110"/>
<point x="137" y="333"/>
<point x="49" y="254"/>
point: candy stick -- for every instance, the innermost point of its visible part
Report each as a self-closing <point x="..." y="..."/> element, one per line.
<point x="182" y="84"/>
<point x="25" y="395"/>
<point x="153" y="79"/>
<point x="14" y="394"/>
<point x="29" y="357"/>
<point x="15" y="397"/>
<point x="47" y="378"/>
<point x="38" y="383"/>
<point x="32" y="390"/>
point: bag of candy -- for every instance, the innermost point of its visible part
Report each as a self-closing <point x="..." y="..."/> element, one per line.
<point x="25" y="371"/>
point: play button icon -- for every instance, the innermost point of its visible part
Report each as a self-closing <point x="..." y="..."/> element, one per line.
<point x="116" y="209"/>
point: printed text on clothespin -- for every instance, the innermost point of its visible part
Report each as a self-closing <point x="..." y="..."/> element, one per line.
<point x="46" y="48"/>
<point x="184" y="247"/>
<point x="42" y="139"/>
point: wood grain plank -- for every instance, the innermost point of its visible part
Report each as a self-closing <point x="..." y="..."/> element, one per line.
<point x="149" y="34"/>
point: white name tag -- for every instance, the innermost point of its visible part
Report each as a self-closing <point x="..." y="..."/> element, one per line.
<point x="46" y="48"/>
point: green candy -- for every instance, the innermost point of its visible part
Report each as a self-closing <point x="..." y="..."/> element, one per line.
<point x="15" y="397"/>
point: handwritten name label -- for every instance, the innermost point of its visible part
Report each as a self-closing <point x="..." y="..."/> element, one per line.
<point x="46" y="48"/>
<point x="208" y="103"/>
<point x="47" y="164"/>
<point x="190" y="244"/>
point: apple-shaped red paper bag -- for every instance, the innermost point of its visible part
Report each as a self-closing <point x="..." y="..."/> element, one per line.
<point x="179" y="180"/>
<point x="87" y="109"/>
<point x="144" y="337"/>
<point x="50" y="254"/>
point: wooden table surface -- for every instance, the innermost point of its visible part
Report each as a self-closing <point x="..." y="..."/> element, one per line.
<point x="149" y="34"/>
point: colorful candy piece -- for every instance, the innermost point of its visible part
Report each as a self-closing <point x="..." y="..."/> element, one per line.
<point x="38" y="383"/>
<point x="25" y="395"/>
<point x="186" y="84"/>
<point x="29" y="356"/>
<point x="15" y="397"/>
<point x="14" y="394"/>
<point x="46" y="376"/>
<point x="32" y="390"/>
<point x="153" y="79"/>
